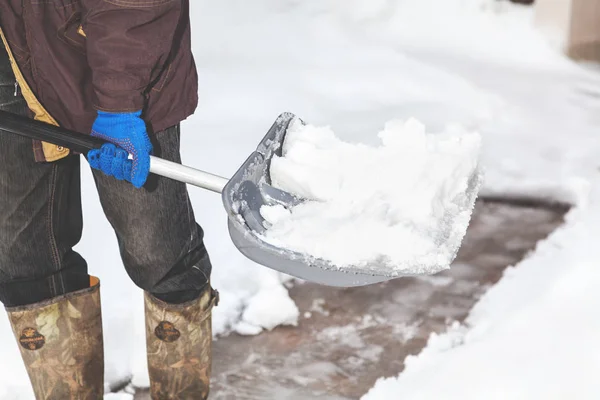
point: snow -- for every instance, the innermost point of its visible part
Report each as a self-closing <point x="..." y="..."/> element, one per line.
<point x="357" y="213"/>
<point x="533" y="335"/>
<point x="496" y="31"/>
<point x="354" y="64"/>
<point x="268" y="309"/>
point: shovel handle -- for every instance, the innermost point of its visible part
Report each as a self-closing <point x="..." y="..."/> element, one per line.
<point x="181" y="173"/>
<point x="81" y="143"/>
<point x="42" y="131"/>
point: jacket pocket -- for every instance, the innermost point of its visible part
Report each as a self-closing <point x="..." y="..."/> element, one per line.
<point x="159" y="83"/>
<point x="71" y="32"/>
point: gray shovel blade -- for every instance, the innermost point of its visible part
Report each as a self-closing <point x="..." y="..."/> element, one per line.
<point x="250" y="189"/>
<point x="243" y="196"/>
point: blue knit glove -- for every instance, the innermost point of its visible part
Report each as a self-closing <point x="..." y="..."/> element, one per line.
<point x="128" y="132"/>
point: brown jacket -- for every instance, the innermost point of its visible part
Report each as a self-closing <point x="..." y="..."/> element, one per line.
<point x="73" y="57"/>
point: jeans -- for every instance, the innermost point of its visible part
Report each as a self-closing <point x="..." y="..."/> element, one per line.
<point x="160" y="243"/>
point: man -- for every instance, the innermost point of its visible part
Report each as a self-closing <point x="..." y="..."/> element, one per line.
<point x="121" y="70"/>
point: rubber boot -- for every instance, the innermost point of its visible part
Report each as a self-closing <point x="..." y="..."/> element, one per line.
<point x="179" y="344"/>
<point x="61" y="344"/>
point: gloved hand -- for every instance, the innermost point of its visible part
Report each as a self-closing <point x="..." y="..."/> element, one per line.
<point x="128" y="132"/>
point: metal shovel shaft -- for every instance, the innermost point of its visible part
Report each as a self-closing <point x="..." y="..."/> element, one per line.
<point x="182" y="173"/>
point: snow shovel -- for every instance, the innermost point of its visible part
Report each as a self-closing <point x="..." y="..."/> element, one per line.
<point x="243" y="195"/>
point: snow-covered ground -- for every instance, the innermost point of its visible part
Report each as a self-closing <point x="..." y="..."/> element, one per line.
<point x="355" y="64"/>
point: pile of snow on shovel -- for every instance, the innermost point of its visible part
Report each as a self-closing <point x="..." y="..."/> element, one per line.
<point x="401" y="207"/>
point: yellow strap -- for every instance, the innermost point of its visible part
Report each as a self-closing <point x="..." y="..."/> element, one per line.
<point x="51" y="151"/>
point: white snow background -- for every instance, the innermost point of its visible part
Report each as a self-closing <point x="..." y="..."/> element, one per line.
<point x="355" y="64"/>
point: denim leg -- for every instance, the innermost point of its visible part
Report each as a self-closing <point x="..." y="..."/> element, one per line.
<point x="40" y="215"/>
<point x="160" y="242"/>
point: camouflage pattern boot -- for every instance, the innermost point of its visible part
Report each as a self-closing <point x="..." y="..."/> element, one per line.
<point x="179" y="344"/>
<point x="61" y="344"/>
